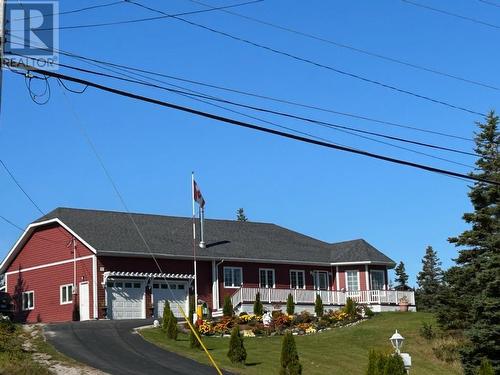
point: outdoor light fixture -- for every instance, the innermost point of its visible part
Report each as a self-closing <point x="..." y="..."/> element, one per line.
<point x="397" y="341"/>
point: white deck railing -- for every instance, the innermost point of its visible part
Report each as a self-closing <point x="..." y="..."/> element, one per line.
<point x="329" y="297"/>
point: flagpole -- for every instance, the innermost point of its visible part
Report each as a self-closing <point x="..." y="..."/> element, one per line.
<point x="194" y="249"/>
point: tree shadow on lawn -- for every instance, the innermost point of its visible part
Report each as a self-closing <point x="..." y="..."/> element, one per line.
<point x="251" y="364"/>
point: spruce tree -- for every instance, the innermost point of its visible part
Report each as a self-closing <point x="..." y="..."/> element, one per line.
<point x="240" y="215"/>
<point x="318" y="306"/>
<point x="475" y="278"/>
<point x="165" y="316"/>
<point x="194" y="343"/>
<point x="401" y="276"/>
<point x="429" y="281"/>
<point x="485" y="368"/>
<point x="290" y="364"/>
<point x="290" y="305"/>
<point x="227" y="309"/>
<point x="258" y="308"/>
<point x="172" y="329"/>
<point x="394" y="365"/>
<point x="237" y="352"/>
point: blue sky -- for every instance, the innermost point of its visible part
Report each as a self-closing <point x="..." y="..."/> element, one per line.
<point x="150" y="151"/>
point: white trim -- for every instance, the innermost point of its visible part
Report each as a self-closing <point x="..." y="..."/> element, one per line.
<point x="68" y="300"/>
<point x="30" y="229"/>
<point x="383" y="278"/>
<point x="94" y="287"/>
<point x="337" y="278"/>
<point x="248" y="260"/>
<point x="347" y="283"/>
<point x="80" y="297"/>
<point x="22" y="302"/>
<point x="224" y="277"/>
<point x="49" y="265"/>
<point x="215" y="283"/>
<point x="304" y="278"/>
<point x="367" y="278"/>
<point x="274" y="278"/>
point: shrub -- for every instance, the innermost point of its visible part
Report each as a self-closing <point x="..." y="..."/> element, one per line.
<point x="290" y="364"/>
<point x="172" y="329"/>
<point x="227" y="309"/>
<point x="426" y="331"/>
<point x="394" y="365"/>
<point x="304" y="317"/>
<point x="192" y="308"/>
<point x="447" y="349"/>
<point x="351" y="308"/>
<point x="258" y="309"/>
<point x="368" y="312"/>
<point x="165" y="316"/>
<point x="376" y="363"/>
<point x="290" y="305"/>
<point x="486" y="368"/>
<point x="318" y="306"/>
<point x="237" y="352"/>
<point x="194" y="343"/>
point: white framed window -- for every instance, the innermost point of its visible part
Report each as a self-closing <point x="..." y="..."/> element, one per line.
<point x="320" y="280"/>
<point x="377" y="279"/>
<point x="352" y="280"/>
<point x="29" y="300"/>
<point x="297" y="279"/>
<point x="266" y="278"/>
<point x="66" y="294"/>
<point x="233" y="277"/>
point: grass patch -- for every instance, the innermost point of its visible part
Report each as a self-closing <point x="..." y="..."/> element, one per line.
<point x="338" y="351"/>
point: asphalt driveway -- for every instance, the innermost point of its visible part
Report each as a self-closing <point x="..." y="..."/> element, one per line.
<point x="112" y="346"/>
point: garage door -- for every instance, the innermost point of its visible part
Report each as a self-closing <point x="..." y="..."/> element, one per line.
<point x="126" y="299"/>
<point x="178" y="295"/>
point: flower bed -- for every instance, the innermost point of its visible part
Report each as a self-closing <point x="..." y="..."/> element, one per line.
<point x="304" y="323"/>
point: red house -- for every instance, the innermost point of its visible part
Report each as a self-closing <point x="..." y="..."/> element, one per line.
<point x="98" y="262"/>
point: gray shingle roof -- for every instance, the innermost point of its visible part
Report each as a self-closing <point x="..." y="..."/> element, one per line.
<point x="112" y="232"/>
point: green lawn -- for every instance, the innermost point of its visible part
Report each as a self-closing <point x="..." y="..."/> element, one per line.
<point x="339" y="351"/>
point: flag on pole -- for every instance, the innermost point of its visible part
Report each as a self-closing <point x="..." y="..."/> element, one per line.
<point x="198" y="198"/>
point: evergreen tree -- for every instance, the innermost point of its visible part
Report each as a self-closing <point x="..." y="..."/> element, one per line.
<point x="194" y="343"/>
<point x="172" y="329"/>
<point x="290" y="305"/>
<point x="486" y="368"/>
<point x="318" y="306"/>
<point x="429" y="281"/>
<point x="258" y="308"/>
<point x="237" y="352"/>
<point x="394" y="365"/>
<point x="240" y="215"/>
<point x="290" y="364"/>
<point x="475" y="278"/>
<point x="401" y="276"/>
<point x="192" y="308"/>
<point x="165" y="316"/>
<point x="227" y="309"/>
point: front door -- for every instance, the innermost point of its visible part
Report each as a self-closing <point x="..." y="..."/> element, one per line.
<point x="84" y="301"/>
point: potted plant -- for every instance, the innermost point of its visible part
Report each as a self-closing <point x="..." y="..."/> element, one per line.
<point x="403" y="304"/>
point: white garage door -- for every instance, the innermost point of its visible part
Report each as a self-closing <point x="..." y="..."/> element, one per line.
<point x="177" y="295"/>
<point x="126" y="299"/>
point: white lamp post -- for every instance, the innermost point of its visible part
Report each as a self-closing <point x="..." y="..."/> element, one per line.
<point x="397" y="341"/>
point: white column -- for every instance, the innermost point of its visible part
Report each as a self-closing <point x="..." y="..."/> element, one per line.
<point x="94" y="286"/>
<point x="215" y="286"/>
<point x="337" y="285"/>
<point x="367" y="277"/>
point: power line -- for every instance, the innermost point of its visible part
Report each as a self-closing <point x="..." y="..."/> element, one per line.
<point x="470" y="19"/>
<point x="138" y="20"/>
<point x="352" y="48"/>
<point x="260" y="96"/>
<point x="11" y="223"/>
<point x="250" y="126"/>
<point x="490" y="3"/>
<point x="283" y="114"/>
<point x="315" y="63"/>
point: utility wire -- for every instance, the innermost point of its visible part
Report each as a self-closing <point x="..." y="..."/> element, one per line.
<point x="11" y="223"/>
<point x="255" y="95"/>
<point x="196" y="95"/>
<point x="250" y="126"/>
<point x="490" y="3"/>
<point x="315" y="63"/>
<point x="470" y="19"/>
<point x="138" y="20"/>
<point x="352" y="48"/>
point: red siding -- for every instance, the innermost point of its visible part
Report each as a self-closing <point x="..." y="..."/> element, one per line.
<point x="46" y="282"/>
<point x="47" y="245"/>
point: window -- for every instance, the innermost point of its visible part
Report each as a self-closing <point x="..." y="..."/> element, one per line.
<point x="110" y="284"/>
<point x="320" y="280"/>
<point x="128" y="285"/>
<point x="119" y="285"/>
<point x="156" y="286"/>
<point x="266" y="277"/>
<point x="180" y="286"/>
<point x="297" y="279"/>
<point x="28" y="300"/>
<point x="377" y="279"/>
<point x="352" y="280"/>
<point x="66" y="294"/>
<point x="137" y="285"/>
<point x="233" y="277"/>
